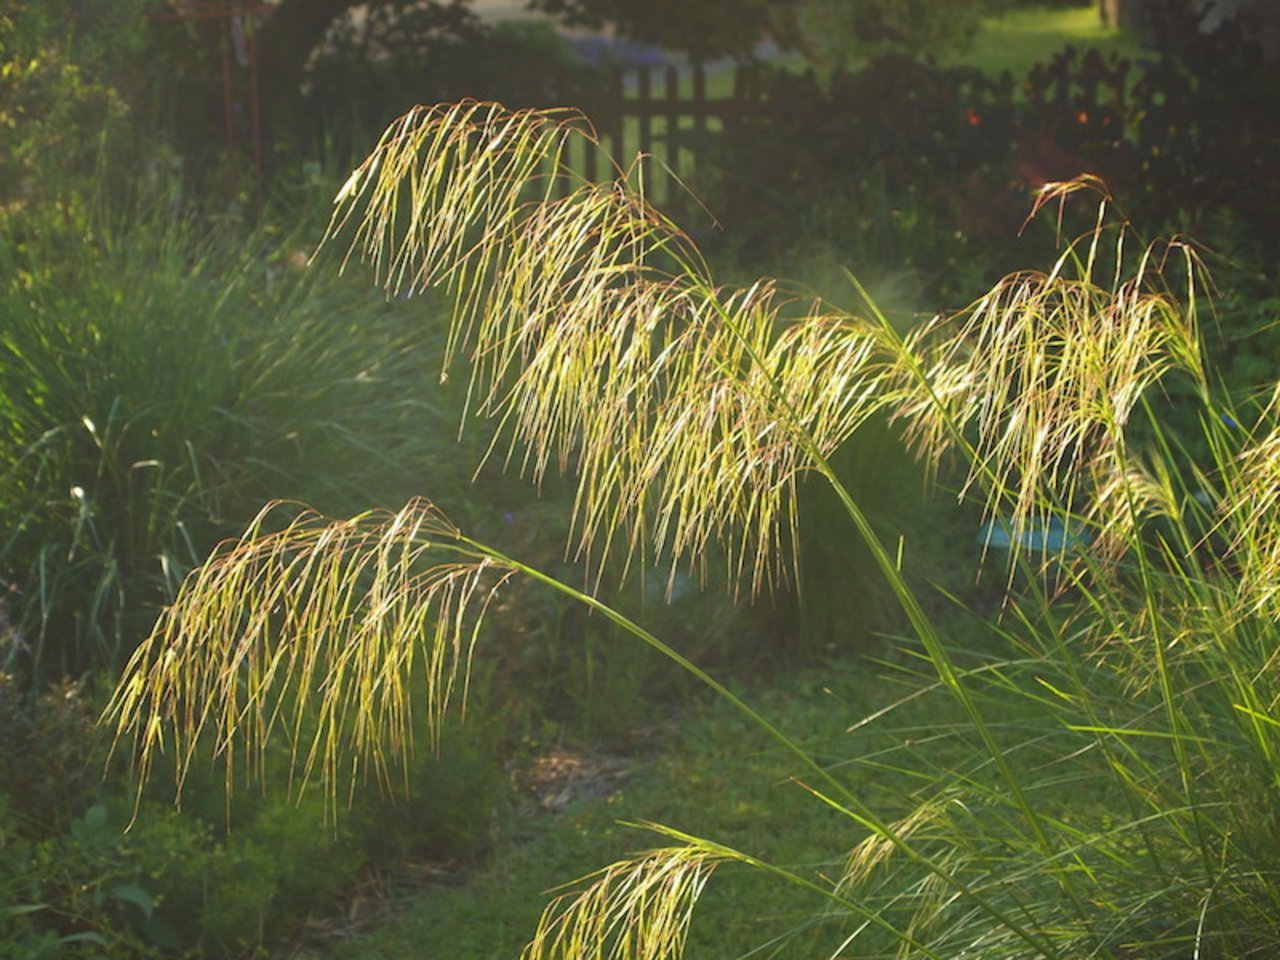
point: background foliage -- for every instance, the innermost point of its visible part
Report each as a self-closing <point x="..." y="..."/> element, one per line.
<point x="158" y="385"/>
<point x="834" y="163"/>
<point x="69" y="77"/>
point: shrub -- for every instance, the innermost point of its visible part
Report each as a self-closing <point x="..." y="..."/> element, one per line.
<point x="76" y="883"/>
<point x="73" y="895"/>
<point x="67" y="76"/>
<point x="154" y="386"/>
<point x="1204" y="127"/>
<point x="67" y="886"/>
<point x="374" y="68"/>
<point x="57" y="727"/>
<point x="231" y="893"/>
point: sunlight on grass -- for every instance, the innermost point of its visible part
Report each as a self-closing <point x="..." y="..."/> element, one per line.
<point x="689" y="411"/>
<point x="599" y="340"/>
<point x="1019" y="40"/>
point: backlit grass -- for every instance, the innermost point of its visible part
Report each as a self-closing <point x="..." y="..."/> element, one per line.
<point x="1135" y="662"/>
<point x="713" y="775"/>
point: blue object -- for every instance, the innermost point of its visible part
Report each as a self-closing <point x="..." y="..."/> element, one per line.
<point x="598" y="51"/>
<point x="1053" y="537"/>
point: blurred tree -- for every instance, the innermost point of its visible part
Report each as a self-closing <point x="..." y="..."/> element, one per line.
<point x="285" y="42"/>
<point x="373" y="68"/>
<point x="68" y="69"/>
<point x="837" y="32"/>
<point x="297" y="29"/>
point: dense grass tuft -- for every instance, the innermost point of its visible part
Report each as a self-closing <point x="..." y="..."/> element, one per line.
<point x="158" y="383"/>
<point x="1133" y="662"/>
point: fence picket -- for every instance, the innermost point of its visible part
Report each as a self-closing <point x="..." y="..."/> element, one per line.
<point x="649" y="115"/>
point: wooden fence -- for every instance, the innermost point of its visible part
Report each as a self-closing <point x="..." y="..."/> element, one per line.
<point x="664" y="115"/>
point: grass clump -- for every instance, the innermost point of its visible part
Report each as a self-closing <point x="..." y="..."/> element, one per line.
<point x="1137" y="669"/>
<point x="158" y="384"/>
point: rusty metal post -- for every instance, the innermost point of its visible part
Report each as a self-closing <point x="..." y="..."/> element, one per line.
<point x="233" y="41"/>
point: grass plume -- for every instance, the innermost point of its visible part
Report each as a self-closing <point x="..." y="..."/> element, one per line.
<point x="596" y="335"/>
<point x="316" y="632"/>
<point x="599" y="340"/>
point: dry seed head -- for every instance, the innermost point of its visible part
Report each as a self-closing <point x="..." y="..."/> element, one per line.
<point x="636" y="909"/>
<point x="1253" y="514"/>
<point x="1041" y="376"/>
<point x="322" y="633"/>
<point x="598" y="340"/>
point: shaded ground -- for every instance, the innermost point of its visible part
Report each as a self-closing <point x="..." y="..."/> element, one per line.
<point x="572" y="811"/>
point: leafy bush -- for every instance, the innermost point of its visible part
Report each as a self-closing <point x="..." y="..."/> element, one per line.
<point x="68" y="888"/>
<point x="74" y="894"/>
<point x="220" y="893"/>
<point x="67" y="75"/>
<point x="57" y="727"/>
<point x="76" y="884"/>
<point x="174" y="886"/>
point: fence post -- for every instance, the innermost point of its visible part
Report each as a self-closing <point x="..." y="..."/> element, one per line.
<point x="644" y="93"/>
<point x="673" y="127"/>
<point x="699" y="97"/>
<point x="608" y="118"/>
<point x="661" y="100"/>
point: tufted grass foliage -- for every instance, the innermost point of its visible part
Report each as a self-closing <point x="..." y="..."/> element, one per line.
<point x="311" y="631"/>
<point x="160" y="379"/>
<point x="596" y="335"/>
<point x="1134" y="816"/>
<point x="1043" y="374"/>
<point x="633" y="910"/>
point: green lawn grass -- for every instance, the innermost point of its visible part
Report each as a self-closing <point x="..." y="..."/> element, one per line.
<point x="1019" y="40"/>
<point x="711" y="773"/>
<point x="1015" y="41"/>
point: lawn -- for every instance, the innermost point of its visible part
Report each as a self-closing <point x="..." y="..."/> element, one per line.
<point x="1015" y="41"/>
<point x="701" y="769"/>
<point x="1020" y="39"/>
